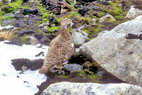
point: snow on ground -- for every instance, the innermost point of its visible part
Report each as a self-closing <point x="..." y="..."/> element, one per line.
<point x="11" y="81"/>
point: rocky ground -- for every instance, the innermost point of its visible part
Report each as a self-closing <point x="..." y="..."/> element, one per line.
<point x="41" y="19"/>
<point x="107" y="33"/>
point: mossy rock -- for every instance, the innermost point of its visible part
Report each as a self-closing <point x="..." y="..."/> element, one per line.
<point x="24" y="39"/>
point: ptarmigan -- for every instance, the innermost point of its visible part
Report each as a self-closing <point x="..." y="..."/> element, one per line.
<point x="60" y="49"/>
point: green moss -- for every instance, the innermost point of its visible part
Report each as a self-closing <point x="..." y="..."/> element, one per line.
<point x="70" y="15"/>
<point x="89" y="74"/>
<point x="44" y="12"/>
<point x="44" y="17"/>
<point x="110" y="20"/>
<point x="24" y="39"/>
<point x="119" y="17"/>
<point x="82" y="73"/>
<point x="8" y="9"/>
<point x="2" y="18"/>
<point x="5" y="17"/>
<point x="102" y="14"/>
<point x="116" y="9"/>
<point x="2" y="13"/>
<point x="1" y="4"/>
<point x="98" y="29"/>
<point x="93" y="76"/>
<point x="52" y="29"/>
<point x="63" y="76"/>
<point x="42" y="8"/>
<point x="87" y="31"/>
<point x="39" y="31"/>
<point x="17" y="4"/>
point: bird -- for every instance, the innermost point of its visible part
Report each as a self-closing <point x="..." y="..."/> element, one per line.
<point x="60" y="49"/>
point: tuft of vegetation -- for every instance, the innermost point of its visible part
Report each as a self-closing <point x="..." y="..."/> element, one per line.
<point x="24" y="39"/>
<point x="53" y="29"/>
<point x="7" y="35"/>
<point x="2" y="18"/>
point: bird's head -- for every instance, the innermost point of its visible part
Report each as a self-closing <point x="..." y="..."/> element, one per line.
<point x="66" y="23"/>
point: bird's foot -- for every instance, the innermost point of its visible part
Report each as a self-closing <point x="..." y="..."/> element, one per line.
<point x="43" y="70"/>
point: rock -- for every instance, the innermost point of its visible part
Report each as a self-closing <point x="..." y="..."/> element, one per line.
<point x="29" y="11"/>
<point x="133" y="12"/>
<point x="9" y="14"/>
<point x="73" y="67"/>
<point x="67" y="88"/>
<point x="42" y="25"/>
<point x="83" y="11"/>
<point x="21" y="33"/>
<point x="79" y="37"/>
<point x="104" y="18"/>
<point x="39" y="36"/>
<point x="53" y="5"/>
<point x="33" y="40"/>
<point x="20" y="64"/>
<point x="104" y="2"/>
<point x="119" y="51"/>
<point x="20" y="23"/>
<point x="94" y="20"/>
<point x="45" y="40"/>
<point x="90" y="9"/>
<point x="15" y="41"/>
<point x="7" y="22"/>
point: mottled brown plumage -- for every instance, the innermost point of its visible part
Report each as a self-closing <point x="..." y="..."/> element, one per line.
<point x="60" y="49"/>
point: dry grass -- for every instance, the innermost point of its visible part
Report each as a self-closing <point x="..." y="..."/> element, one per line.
<point x="7" y="35"/>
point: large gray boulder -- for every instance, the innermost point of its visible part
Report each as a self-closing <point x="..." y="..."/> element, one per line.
<point x="119" y="51"/>
<point x="67" y="88"/>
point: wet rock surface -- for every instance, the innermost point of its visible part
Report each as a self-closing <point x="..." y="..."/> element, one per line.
<point x="19" y="64"/>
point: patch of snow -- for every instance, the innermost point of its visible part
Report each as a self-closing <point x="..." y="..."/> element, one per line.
<point x="6" y="27"/>
<point x="13" y="82"/>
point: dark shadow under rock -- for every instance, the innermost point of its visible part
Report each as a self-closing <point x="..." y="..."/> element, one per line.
<point x="30" y="11"/>
<point x="79" y="59"/>
<point x="28" y="64"/>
